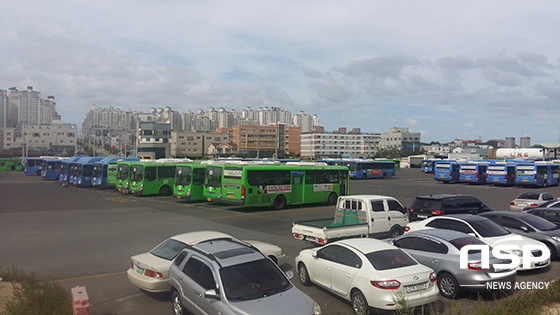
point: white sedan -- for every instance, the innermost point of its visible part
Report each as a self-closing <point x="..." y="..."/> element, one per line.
<point x="150" y="271"/>
<point x="530" y="199"/>
<point x="485" y="229"/>
<point x="368" y="273"/>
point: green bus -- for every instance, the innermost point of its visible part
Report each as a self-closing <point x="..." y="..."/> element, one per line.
<point x="11" y="165"/>
<point x="112" y="174"/>
<point x="279" y="185"/>
<point x="122" y="180"/>
<point x="213" y="173"/>
<point x="152" y="178"/>
<point x="189" y="181"/>
<point x="212" y="185"/>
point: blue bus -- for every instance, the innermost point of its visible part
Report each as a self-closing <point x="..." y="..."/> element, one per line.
<point x="428" y="165"/>
<point x="83" y="171"/>
<point x="51" y="168"/>
<point x="473" y="172"/>
<point x="365" y="168"/>
<point x="447" y="171"/>
<point x="64" y="175"/>
<point x="99" y="178"/>
<point x="371" y="169"/>
<point x="501" y="173"/>
<point x="33" y="166"/>
<point x="540" y="174"/>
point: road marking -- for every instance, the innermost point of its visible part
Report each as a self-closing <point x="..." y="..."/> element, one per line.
<point x="120" y="199"/>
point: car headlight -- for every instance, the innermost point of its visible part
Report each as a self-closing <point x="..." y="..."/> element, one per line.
<point x="556" y="238"/>
<point x="316" y="308"/>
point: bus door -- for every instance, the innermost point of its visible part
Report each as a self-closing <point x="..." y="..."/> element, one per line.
<point x="455" y="174"/>
<point x="343" y="183"/>
<point x="510" y="173"/>
<point x="542" y="177"/>
<point x="482" y="169"/>
<point x="297" y="186"/>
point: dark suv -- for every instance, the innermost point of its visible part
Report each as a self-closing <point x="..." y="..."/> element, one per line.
<point x="228" y="276"/>
<point x="426" y="206"/>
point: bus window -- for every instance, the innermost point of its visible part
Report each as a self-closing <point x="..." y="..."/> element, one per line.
<point x="150" y="173"/>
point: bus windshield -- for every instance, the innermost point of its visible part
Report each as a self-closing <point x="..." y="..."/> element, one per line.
<point x="183" y="176"/>
<point x="136" y="174"/>
<point x="213" y="176"/>
<point x="123" y="171"/>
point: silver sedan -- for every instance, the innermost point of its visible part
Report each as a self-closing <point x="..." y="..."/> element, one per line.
<point x="440" y="250"/>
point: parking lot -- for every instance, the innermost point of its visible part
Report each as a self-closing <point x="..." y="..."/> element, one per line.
<point x="85" y="236"/>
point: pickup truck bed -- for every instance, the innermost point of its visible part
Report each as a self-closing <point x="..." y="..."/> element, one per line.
<point x="323" y="231"/>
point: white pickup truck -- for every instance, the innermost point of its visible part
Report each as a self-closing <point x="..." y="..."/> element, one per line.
<point x="356" y="216"/>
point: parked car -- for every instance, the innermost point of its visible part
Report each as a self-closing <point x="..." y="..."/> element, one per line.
<point x="529" y="199"/>
<point x="150" y="271"/>
<point x="551" y="204"/>
<point x="531" y="226"/>
<point x="485" y="229"/>
<point x="439" y="249"/>
<point x="426" y="206"/>
<point x="368" y="273"/>
<point x="550" y="214"/>
<point x="355" y="216"/>
<point x="228" y="276"/>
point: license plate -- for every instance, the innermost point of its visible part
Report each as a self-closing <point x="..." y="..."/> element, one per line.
<point x="178" y="197"/>
<point x="441" y="176"/>
<point x="525" y="180"/>
<point x="140" y="270"/>
<point x="468" y="178"/>
<point x="416" y="287"/>
<point x="208" y="199"/>
<point x="423" y="216"/>
<point x="522" y="204"/>
<point x="495" y="179"/>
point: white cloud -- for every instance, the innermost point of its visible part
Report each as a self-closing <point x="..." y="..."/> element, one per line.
<point x="379" y="64"/>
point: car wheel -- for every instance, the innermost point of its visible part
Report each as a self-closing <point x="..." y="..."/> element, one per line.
<point x="304" y="275"/>
<point x="359" y="303"/>
<point x="448" y="286"/>
<point x="395" y="232"/>
<point x="165" y="191"/>
<point x="178" y="308"/>
<point x="332" y="199"/>
<point x="279" y="202"/>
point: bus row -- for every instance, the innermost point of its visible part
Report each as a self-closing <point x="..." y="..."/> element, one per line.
<point x="243" y="183"/>
<point x="506" y="173"/>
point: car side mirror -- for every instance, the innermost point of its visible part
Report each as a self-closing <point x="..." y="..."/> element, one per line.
<point x="314" y="255"/>
<point x="211" y="294"/>
<point x="472" y="234"/>
<point x="525" y="229"/>
<point x="289" y="274"/>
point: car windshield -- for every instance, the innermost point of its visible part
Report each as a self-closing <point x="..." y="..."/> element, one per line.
<point x="540" y="223"/>
<point x="168" y="249"/>
<point x="253" y="280"/>
<point x="390" y="259"/>
<point x="532" y="196"/>
<point x="487" y="228"/>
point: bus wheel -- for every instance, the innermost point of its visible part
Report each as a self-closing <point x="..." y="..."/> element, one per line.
<point x="279" y="202"/>
<point x="165" y="191"/>
<point x="39" y="173"/>
<point x="332" y="199"/>
<point x="364" y="176"/>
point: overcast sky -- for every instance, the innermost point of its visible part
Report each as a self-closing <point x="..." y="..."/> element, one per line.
<point x="448" y="69"/>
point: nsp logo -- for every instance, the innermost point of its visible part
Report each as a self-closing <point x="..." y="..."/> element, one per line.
<point x="511" y="252"/>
